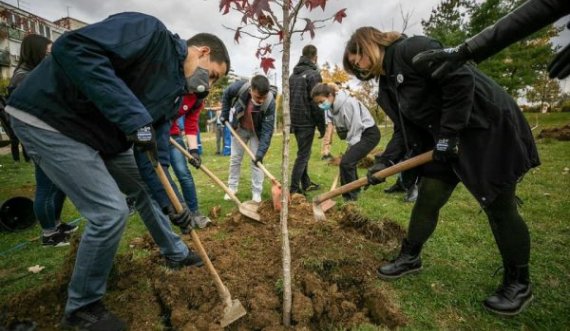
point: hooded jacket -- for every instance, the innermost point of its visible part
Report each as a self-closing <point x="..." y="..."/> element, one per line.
<point x="263" y="121"/>
<point x="304" y="112"/>
<point x="496" y="146"/>
<point x="351" y="116"/>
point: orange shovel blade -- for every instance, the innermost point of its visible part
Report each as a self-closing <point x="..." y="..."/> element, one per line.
<point x="276" y="196"/>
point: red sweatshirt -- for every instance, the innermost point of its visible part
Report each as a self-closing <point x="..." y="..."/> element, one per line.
<point x="190" y="119"/>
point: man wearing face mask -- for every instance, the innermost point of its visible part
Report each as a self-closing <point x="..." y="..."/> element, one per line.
<point x="253" y="119"/>
<point x="198" y="86"/>
<point x="106" y="87"/>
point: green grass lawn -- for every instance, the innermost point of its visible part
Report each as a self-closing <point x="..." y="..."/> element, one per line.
<point x="459" y="259"/>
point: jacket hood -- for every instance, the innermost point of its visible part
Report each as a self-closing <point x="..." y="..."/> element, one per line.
<point x="339" y="100"/>
<point x="303" y="65"/>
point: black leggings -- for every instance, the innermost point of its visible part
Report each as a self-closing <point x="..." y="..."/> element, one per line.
<point x="509" y="229"/>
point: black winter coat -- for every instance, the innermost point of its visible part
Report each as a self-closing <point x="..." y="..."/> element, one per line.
<point x="304" y="112"/>
<point x="496" y="146"/>
<point x="521" y="22"/>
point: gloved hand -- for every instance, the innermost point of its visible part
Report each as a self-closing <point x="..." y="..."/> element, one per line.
<point x="182" y="219"/>
<point x="144" y="139"/>
<point x="560" y="65"/>
<point x="446" y="149"/>
<point x="196" y="160"/>
<point x="379" y="165"/>
<point x="444" y="60"/>
<point x="258" y="160"/>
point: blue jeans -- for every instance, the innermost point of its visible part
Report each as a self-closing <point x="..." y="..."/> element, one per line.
<point x="48" y="202"/>
<point x="180" y="167"/>
<point x="95" y="185"/>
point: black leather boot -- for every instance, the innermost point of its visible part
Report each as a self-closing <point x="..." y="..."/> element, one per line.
<point x="513" y="295"/>
<point x="407" y="262"/>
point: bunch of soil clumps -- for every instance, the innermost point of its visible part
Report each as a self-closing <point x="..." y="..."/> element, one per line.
<point x="560" y="133"/>
<point x="333" y="266"/>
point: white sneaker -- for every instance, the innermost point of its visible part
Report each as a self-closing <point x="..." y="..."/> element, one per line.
<point x="227" y="196"/>
<point x="256" y="197"/>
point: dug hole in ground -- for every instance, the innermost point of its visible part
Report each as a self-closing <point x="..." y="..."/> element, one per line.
<point x="333" y="269"/>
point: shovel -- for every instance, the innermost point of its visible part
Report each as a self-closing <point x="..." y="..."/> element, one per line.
<point x="247" y="210"/>
<point x="329" y="203"/>
<point x="275" y="185"/>
<point x="318" y="209"/>
<point x="233" y="309"/>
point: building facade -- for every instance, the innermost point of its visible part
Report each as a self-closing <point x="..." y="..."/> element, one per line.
<point x="16" y="23"/>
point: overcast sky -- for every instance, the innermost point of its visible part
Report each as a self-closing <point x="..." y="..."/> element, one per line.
<point x="188" y="17"/>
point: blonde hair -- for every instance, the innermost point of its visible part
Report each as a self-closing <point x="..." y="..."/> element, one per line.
<point x="372" y="43"/>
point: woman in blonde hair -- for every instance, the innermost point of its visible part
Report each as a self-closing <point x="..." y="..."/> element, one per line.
<point x="479" y="138"/>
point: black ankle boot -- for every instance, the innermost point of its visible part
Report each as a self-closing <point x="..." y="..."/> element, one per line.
<point x="408" y="261"/>
<point x="513" y="295"/>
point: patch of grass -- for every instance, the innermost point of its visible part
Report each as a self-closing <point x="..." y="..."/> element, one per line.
<point x="459" y="259"/>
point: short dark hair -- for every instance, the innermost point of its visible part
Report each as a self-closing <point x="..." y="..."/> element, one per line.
<point x="322" y="89"/>
<point x="261" y="84"/>
<point x="310" y="51"/>
<point x="218" y="51"/>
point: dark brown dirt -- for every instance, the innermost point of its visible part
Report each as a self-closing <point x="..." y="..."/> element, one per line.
<point x="562" y="133"/>
<point x="364" y="163"/>
<point x="333" y="269"/>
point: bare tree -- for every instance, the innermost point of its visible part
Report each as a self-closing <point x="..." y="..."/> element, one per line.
<point x="260" y="20"/>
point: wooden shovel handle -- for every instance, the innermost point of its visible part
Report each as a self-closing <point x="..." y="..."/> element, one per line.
<point x="222" y="290"/>
<point x="207" y="172"/>
<point x="396" y="168"/>
<point x="246" y="148"/>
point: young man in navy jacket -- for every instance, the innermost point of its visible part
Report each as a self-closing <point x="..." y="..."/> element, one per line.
<point x="105" y="87"/>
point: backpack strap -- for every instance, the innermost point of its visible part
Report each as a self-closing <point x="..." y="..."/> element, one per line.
<point x="267" y="102"/>
<point x="238" y="97"/>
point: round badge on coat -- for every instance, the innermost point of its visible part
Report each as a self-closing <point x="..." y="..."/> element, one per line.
<point x="400" y="78"/>
<point x="185" y="107"/>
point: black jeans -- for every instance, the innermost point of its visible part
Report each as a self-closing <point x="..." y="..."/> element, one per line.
<point x="369" y="139"/>
<point x="300" y="179"/>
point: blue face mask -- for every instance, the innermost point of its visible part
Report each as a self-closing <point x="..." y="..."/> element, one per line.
<point x="325" y="105"/>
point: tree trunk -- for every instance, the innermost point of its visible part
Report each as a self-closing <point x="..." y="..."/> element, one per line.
<point x="285" y="169"/>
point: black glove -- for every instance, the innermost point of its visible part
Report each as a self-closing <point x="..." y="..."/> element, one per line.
<point x="560" y="65"/>
<point x="446" y="149"/>
<point x="379" y="165"/>
<point x="182" y="219"/>
<point x="443" y="60"/>
<point x="258" y="159"/>
<point x="196" y="160"/>
<point x="144" y="140"/>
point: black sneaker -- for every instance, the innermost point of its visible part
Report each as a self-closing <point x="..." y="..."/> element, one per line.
<point x="312" y="187"/>
<point x="191" y="260"/>
<point x="66" y="228"/>
<point x="93" y="317"/>
<point x="58" y="239"/>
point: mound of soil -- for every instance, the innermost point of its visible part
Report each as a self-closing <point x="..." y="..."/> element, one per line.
<point x="333" y="270"/>
<point x="561" y="133"/>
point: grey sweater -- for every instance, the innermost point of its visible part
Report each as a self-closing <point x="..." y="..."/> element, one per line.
<point x="349" y="114"/>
